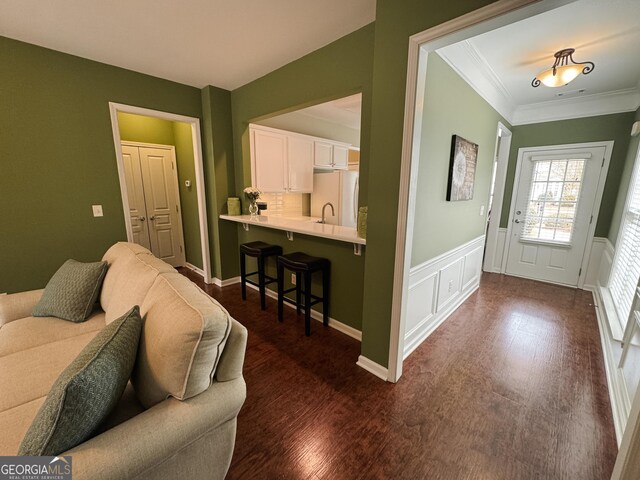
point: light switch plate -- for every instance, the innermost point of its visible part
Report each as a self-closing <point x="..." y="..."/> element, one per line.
<point x="97" y="210"/>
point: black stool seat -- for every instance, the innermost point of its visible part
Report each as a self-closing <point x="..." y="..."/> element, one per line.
<point x="261" y="251"/>
<point x="304" y="267"/>
<point x="255" y="249"/>
<point x="299" y="261"/>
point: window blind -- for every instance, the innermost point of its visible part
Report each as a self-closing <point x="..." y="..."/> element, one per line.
<point x="626" y="266"/>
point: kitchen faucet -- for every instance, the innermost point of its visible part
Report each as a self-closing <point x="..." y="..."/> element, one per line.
<point x="333" y="212"/>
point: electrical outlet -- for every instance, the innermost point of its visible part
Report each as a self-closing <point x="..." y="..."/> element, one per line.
<point x="482" y="210"/>
<point x="293" y="279"/>
<point x="450" y="286"/>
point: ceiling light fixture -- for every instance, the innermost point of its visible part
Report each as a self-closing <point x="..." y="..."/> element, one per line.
<point x="564" y="70"/>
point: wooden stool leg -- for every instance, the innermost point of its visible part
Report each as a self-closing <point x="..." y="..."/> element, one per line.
<point x="326" y="286"/>
<point x="307" y="303"/>
<point x="280" y="290"/>
<point x="298" y="291"/>
<point x="243" y="275"/>
<point x="261" y="280"/>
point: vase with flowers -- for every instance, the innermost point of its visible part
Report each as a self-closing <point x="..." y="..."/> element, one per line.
<point x="253" y="194"/>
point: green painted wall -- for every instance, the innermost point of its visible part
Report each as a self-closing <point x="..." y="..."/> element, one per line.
<point x="632" y="153"/>
<point x="218" y="144"/>
<point x="183" y="141"/>
<point x="57" y="156"/>
<point x="441" y="225"/>
<point x="341" y="68"/>
<point x="614" y="127"/>
<point x="395" y="23"/>
<point x="138" y="128"/>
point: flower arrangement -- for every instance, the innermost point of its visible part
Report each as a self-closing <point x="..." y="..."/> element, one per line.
<point x="252" y="194"/>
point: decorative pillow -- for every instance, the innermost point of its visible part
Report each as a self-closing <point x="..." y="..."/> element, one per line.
<point x="72" y="291"/>
<point x="87" y="390"/>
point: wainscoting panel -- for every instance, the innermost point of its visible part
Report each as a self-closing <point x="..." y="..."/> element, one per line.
<point x="437" y="287"/>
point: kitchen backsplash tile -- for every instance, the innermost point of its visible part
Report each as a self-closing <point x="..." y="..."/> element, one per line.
<point x="287" y="204"/>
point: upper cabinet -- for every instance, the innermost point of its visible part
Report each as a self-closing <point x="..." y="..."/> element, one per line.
<point x="283" y="161"/>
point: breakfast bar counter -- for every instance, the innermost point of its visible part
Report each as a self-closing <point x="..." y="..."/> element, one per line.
<point x="301" y="225"/>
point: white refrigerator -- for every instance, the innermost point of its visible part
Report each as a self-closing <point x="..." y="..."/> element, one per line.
<point x="340" y="188"/>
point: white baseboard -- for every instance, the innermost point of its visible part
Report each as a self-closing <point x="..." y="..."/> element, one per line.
<point x="333" y="323"/>
<point x="373" y="367"/>
<point x="618" y="392"/>
<point x="193" y="268"/>
<point x="225" y="283"/>
<point x="438" y="287"/>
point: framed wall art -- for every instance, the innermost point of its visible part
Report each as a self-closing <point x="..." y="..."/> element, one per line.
<point x="462" y="169"/>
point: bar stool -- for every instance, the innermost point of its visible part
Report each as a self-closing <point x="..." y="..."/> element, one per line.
<point x="261" y="251"/>
<point x="304" y="266"/>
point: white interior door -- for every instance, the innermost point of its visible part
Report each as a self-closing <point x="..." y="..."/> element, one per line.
<point x="554" y="204"/>
<point x="160" y="182"/>
<point x="135" y="194"/>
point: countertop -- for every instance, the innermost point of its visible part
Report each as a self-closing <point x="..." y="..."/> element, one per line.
<point x="303" y="225"/>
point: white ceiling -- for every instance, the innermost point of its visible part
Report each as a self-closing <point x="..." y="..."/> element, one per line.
<point x="224" y="43"/>
<point x="501" y="64"/>
<point x="344" y="111"/>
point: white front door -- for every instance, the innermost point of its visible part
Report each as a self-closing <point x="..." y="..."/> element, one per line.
<point x="555" y="200"/>
<point x="152" y="191"/>
<point x="135" y="195"/>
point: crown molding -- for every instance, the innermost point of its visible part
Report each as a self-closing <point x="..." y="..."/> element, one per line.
<point x="619" y="101"/>
<point x="473" y="68"/>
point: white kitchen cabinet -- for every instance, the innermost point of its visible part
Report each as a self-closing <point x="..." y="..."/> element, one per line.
<point x="268" y="160"/>
<point x="323" y="154"/>
<point x="330" y="155"/>
<point x="281" y="161"/>
<point x="340" y="157"/>
<point x="300" y="164"/>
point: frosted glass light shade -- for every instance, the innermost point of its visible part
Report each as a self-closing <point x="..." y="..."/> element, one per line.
<point x="564" y="75"/>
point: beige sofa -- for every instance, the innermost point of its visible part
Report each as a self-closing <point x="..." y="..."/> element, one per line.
<point x="189" y="433"/>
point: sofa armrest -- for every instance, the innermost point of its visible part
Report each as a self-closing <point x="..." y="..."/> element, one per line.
<point x="232" y="359"/>
<point x="18" y="305"/>
<point x="145" y="442"/>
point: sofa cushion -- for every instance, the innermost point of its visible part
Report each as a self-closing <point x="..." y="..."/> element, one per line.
<point x="87" y="390"/>
<point x="183" y="336"/>
<point x="72" y="291"/>
<point x="32" y="332"/>
<point x="132" y="271"/>
<point x="14" y="423"/>
<point x="29" y="374"/>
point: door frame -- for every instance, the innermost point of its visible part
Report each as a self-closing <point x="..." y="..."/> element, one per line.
<point x="502" y="155"/>
<point x="114" y="108"/>
<point x="172" y="151"/>
<point x="595" y="208"/>
<point x="476" y="22"/>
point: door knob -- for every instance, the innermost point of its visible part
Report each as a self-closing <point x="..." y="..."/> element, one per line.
<point x="518" y="212"/>
<point x="517" y="221"/>
<point x="142" y="219"/>
<point x="153" y="217"/>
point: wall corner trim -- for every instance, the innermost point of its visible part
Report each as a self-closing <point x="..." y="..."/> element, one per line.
<point x="372" y="367"/>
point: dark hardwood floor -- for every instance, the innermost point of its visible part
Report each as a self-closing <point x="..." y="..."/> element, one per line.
<point x="511" y="386"/>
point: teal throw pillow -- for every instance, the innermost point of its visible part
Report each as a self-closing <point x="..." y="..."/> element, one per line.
<point x="72" y="291"/>
<point x="87" y="391"/>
